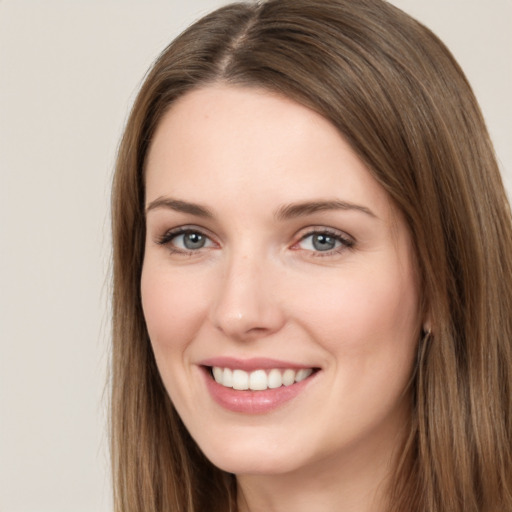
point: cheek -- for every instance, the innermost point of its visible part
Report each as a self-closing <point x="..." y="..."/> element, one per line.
<point x="368" y="323"/>
<point x="173" y="306"/>
<point x="362" y="313"/>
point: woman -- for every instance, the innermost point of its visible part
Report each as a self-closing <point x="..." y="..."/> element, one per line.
<point x="312" y="275"/>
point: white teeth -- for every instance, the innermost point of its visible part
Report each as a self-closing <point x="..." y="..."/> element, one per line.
<point x="288" y="377"/>
<point x="259" y="380"/>
<point x="218" y="373"/>
<point x="302" y="374"/>
<point x="227" y="377"/>
<point x="240" y="380"/>
<point x="275" y="380"/>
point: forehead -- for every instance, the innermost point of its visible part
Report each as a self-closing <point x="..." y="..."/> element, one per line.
<point x="219" y="115"/>
<point x="240" y="142"/>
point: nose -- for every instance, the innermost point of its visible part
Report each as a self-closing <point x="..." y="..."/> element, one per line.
<point x="246" y="305"/>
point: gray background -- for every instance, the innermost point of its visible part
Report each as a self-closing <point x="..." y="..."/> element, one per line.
<point x="69" y="71"/>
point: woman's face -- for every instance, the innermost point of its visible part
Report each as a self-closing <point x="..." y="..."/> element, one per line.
<point x="275" y="261"/>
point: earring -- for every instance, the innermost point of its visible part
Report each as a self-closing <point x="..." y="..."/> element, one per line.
<point x="423" y="344"/>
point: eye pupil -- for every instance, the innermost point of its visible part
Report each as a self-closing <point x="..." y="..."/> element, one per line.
<point x="193" y="240"/>
<point x="323" y="242"/>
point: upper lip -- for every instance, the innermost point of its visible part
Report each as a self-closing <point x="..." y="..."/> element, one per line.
<point x="251" y="364"/>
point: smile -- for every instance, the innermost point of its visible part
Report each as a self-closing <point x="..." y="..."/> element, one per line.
<point x="256" y="385"/>
<point x="258" y="380"/>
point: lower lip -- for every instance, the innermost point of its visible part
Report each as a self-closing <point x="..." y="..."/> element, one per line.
<point x="253" y="402"/>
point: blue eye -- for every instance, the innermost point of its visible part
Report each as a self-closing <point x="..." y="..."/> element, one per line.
<point x="323" y="241"/>
<point x="185" y="240"/>
<point x="191" y="240"/>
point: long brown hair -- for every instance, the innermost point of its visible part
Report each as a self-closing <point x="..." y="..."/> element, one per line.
<point x="399" y="98"/>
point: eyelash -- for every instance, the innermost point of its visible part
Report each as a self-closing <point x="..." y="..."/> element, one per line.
<point x="345" y="241"/>
<point x="172" y="234"/>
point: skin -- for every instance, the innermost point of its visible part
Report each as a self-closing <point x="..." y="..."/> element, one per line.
<point x="259" y="287"/>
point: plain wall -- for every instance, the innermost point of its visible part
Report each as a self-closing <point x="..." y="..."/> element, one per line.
<point x="69" y="71"/>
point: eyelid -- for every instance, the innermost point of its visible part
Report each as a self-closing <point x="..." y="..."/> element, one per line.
<point x="347" y="241"/>
<point x="169" y="235"/>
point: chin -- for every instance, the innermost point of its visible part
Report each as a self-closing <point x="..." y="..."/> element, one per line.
<point x="255" y="464"/>
<point x="250" y="457"/>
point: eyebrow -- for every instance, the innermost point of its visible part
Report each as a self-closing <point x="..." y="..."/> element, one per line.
<point x="179" y="206"/>
<point x="286" y="212"/>
<point x="307" y="208"/>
